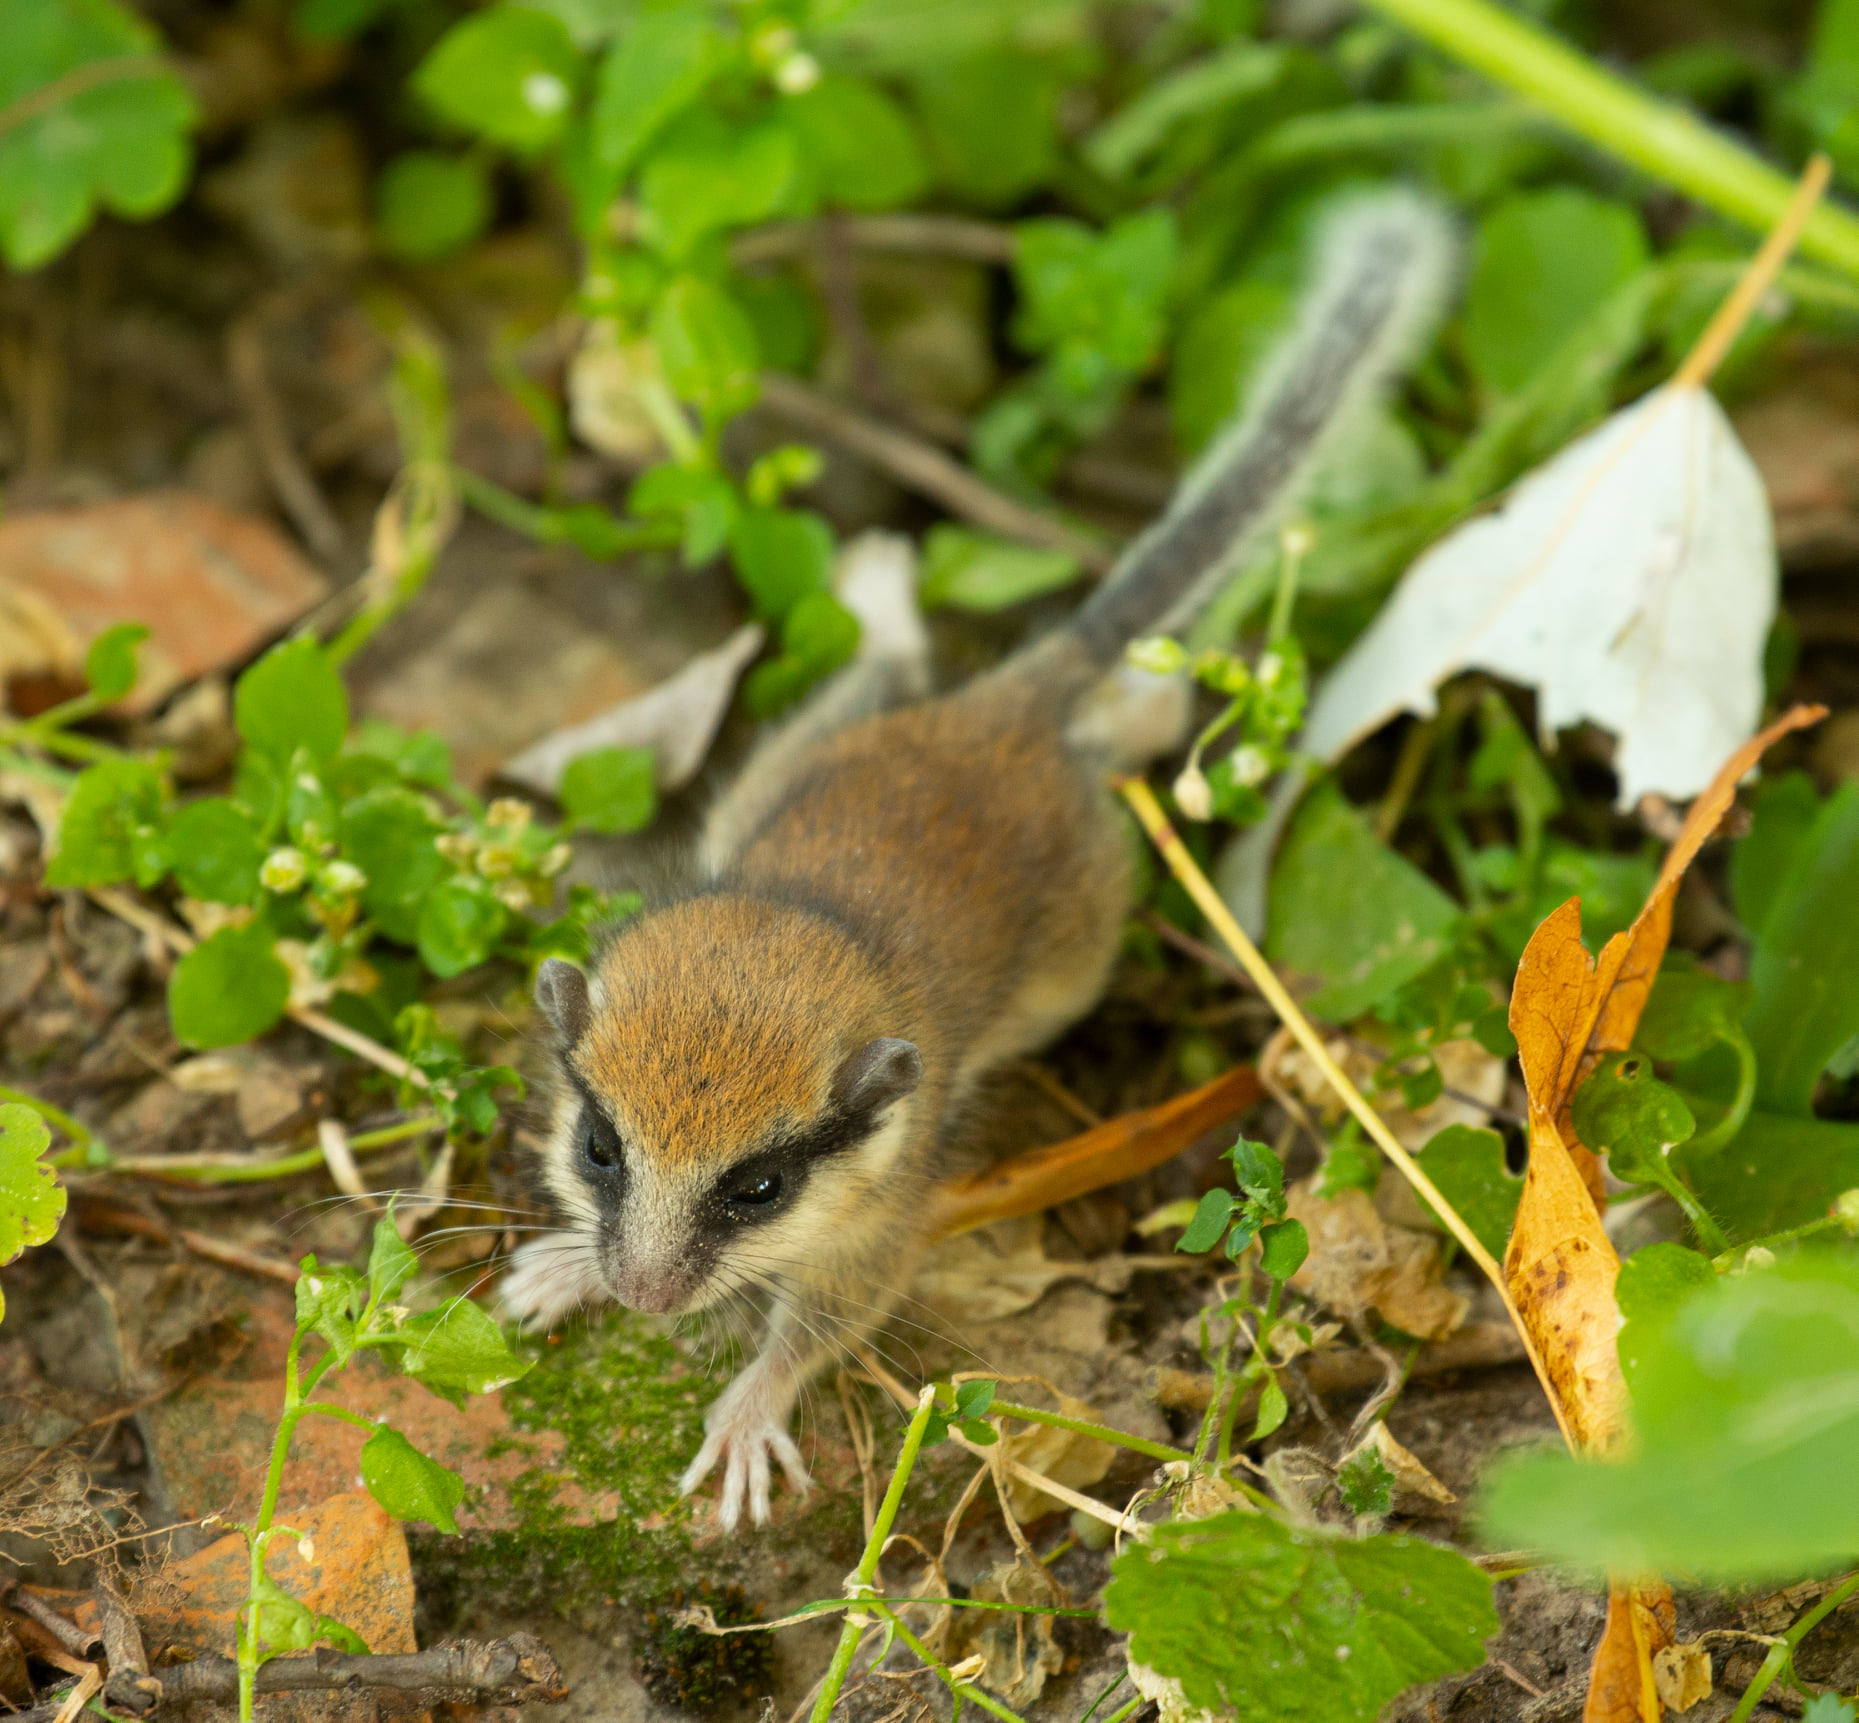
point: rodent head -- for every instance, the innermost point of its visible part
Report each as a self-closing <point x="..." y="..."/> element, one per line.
<point x="734" y="1095"/>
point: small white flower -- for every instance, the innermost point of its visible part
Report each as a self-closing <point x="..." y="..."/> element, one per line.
<point x="544" y="93"/>
<point x="1251" y="766"/>
<point x="797" y="74"/>
<point x="508" y="812"/>
<point x="341" y="879"/>
<point x="1194" y="794"/>
<point x="284" y="870"/>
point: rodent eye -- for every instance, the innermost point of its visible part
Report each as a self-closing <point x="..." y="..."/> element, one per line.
<point x="599" y="1152"/>
<point x="759" y="1194"/>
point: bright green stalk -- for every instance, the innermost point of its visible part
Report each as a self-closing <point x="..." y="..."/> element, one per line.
<point x="961" y="1689"/>
<point x="874" y="1548"/>
<point x="1782" y="1654"/>
<point x="1084" y="1427"/>
<point x="1667" y="141"/>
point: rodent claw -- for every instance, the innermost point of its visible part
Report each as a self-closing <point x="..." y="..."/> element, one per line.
<point x="744" y="1449"/>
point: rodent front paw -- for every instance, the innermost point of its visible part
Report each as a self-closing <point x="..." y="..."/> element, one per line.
<point x="743" y="1444"/>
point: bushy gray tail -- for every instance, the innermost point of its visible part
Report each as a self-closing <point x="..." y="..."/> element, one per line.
<point x="1383" y="265"/>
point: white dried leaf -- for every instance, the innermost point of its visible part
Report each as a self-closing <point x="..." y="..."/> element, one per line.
<point x="1631" y="580"/>
<point x="677" y="720"/>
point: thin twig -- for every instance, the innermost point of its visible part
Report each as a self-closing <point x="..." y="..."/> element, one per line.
<point x="1184" y="867"/>
<point x="291" y="480"/>
<point x="138" y="1224"/>
<point x="154" y="925"/>
<point x="1056" y="1092"/>
<point x="927" y="469"/>
<point x="67" y="1632"/>
<point x="924" y="235"/>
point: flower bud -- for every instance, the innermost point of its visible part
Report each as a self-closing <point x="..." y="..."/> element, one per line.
<point x="341" y="879"/>
<point x="1846" y="1210"/>
<point x="1251" y="766"/>
<point x="508" y="812"/>
<point x="284" y="870"/>
<point x="1193" y="794"/>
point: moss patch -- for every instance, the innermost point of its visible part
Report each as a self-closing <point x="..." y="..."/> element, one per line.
<point x="604" y="1523"/>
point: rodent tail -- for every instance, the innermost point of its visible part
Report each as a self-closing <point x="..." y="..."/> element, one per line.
<point x="1384" y="263"/>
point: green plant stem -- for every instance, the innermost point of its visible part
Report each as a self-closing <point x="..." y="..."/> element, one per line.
<point x="227" y="1172"/>
<point x="1710" y="1234"/>
<point x="1660" y="138"/>
<point x="556" y="526"/>
<point x="1084" y="1427"/>
<point x="1725" y="1260"/>
<point x="1737" y="1114"/>
<point x="37" y="733"/>
<point x="867" y="1568"/>
<point x="259" y="1537"/>
<point x="1127" y="1710"/>
<point x="1780" y="1656"/>
<point x="57" y="1118"/>
<point x="1256" y="1370"/>
<point x="961" y="1689"/>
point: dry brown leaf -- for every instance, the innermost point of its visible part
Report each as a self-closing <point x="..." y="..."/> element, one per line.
<point x="1640" y="1624"/>
<point x="1292" y="1077"/>
<point x="1682" y="1674"/>
<point x="1108" y="1154"/>
<point x="1359" y="1262"/>
<point x="1064" y="1456"/>
<point x="1019" y="1653"/>
<point x="1410" y="1476"/>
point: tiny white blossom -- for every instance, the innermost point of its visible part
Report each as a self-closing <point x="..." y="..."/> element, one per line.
<point x="797" y="74"/>
<point x="341" y="879"/>
<point x="1251" y="765"/>
<point x="544" y="93"/>
<point x="284" y="870"/>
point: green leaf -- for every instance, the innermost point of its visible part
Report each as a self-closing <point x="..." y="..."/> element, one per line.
<point x="1783" y="812"/>
<point x="1827" y="1708"/>
<point x="1096" y="301"/>
<point x="1624" y="1112"/>
<point x="392" y="1262"/>
<point x="390" y="834"/>
<point x="329" y="1299"/>
<point x="1348" y="910"/>
<point x="610" y="790"/>
<point x="1260" y="1174"/>
<point x="408" y="1484"/>
<point x="1238" y="70"/>
<point x="459" y="924"/>
<point x="862" y="145"/>
<point x="1779" y="1171"/>
<point x="1209" y="1222"/>
<point x="1805" y="966"/>
<point x="340" y="1635"/>
<point x="1274" y="1408"/>
<point x="458" y="1351"/>
<point x="1217" y="354"/>
<point x="110" y="663"/>
<point x="703" y="503"/>
<point x="705" y="175"/>
<point x="976" y="571"/>
<point x="1745" y="1419"/>
<point x="819" y="633"/>
<point x="109" y="809"/>
<point x="1283" y="1248"/>
<point x="1365" y="1483"/>
<point x="1689" y="1010"/>
<point x="118" y="142"/>
<point x="1651" y="1288"/>
<point x="1544" y="262"/>
<point x="229" y="988"/>
<point x="428" y="204"/>
<point x="659" y="65"/>
<point x="706" y="346"/>
<point x="1274" y="1625"/>
<point x="1467" y="1164"/>
<point x="292" y="698"/>
<point x="507" y="74"/>
<point x="32" y="1201"/>
<point x="781" y="556"/>
<point x="992" y="124"/>
<point x="217" y="853"/>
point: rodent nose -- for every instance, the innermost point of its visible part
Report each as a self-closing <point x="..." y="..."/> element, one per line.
<point x="653" y="1291"/>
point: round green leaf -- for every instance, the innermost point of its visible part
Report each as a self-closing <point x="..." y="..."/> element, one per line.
<point x="976" y="571"/>
<point x="1545" y="260"/>
<point x="112" y="803"/>
<point x="110" y="664"/>
<point x="781" y="556"/>
<point x="708" y="175"/>
<point x="1467" y="1164"/>
<point x="459" y="924"/>
<point x="216" y="852"/>
<point x="32" y="1201"/>
<point x="458" y="1351"/>
<point x="706" y="345"/>
<point x="861" y="143"/>
<point x="507" y="74"/>
<point x="408" y="1484"/>
<point x="610" y="790"/>
<point x="292" y="698"/>
<point x="1282" y="1248"/>
<point x="427" y="204"/>
<point x="229" y="988"/>
<point x="390" y="834"/>
<point x="992" y="120"/>
<point x="820" y="633"/>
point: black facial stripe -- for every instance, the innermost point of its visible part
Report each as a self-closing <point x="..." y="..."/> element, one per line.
<point x="599" y="1156"/>
<point x="787" y="1163"/>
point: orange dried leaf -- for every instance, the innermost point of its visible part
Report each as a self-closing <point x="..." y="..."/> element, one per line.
<point x="1107" y="1154"/>
<point x="1560" y="1269"/>
<point x="1640" y="1623"/>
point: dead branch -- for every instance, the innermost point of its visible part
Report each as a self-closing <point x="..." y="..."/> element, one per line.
<point x="928" y="470"/>
<point x="68" y="1634"/>
<point x="520" y="1670"/>
<point x="924" y="235"/>
<point x="291" y="480"/>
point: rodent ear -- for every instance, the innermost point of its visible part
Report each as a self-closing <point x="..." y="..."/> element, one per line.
<point x="561" y="996"/>
<point x="879" y="1073"/>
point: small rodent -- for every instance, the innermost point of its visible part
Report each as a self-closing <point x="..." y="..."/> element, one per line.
<point x="760" y="1077"/>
